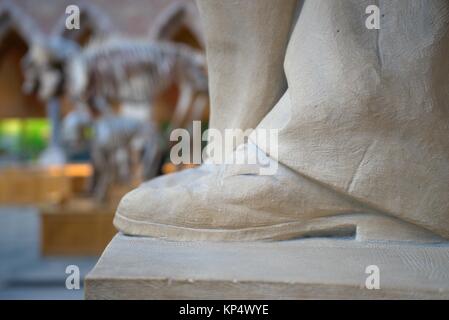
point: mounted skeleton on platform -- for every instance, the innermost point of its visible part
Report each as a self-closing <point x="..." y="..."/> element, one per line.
<point x="119" y="147"/>
<point x="115" y="71"/>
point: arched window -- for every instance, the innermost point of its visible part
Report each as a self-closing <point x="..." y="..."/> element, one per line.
<point x="180" y="22"/>
<point x="23" y="125"/>
<point x="16" y="34"/>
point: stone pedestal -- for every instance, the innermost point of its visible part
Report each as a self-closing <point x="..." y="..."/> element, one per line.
<point x="145" y="268"/>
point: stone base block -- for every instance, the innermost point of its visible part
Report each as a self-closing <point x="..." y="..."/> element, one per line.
<point x="145" y="268"/>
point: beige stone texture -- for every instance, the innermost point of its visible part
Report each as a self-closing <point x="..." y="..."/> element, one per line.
<point x="363" y="119"/>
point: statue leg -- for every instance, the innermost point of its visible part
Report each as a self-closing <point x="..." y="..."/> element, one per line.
<point x="368" y="113"/>
<point x="345" y="122"/>
<point x="246" y="43"/>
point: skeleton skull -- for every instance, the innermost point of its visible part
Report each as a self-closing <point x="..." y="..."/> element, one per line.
<point x="44" y="67"/>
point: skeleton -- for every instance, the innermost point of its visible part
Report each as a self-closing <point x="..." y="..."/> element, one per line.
<point x="115" y="71"/>
<point x="118" y="145"/>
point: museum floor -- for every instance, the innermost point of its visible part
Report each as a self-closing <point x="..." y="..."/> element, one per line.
<point x="24" y="274"/>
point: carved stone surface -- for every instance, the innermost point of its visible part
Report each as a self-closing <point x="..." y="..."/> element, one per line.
<point x="147" y="268"/>
<point x="362" y="116"/>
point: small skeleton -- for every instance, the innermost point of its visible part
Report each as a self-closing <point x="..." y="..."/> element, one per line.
<point x="118" y="145"/>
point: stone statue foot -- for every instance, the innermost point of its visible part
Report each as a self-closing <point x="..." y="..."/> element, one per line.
<point x="237" y="203"/>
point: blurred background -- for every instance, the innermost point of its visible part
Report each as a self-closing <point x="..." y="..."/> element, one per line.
<point x="57" y="201"/>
